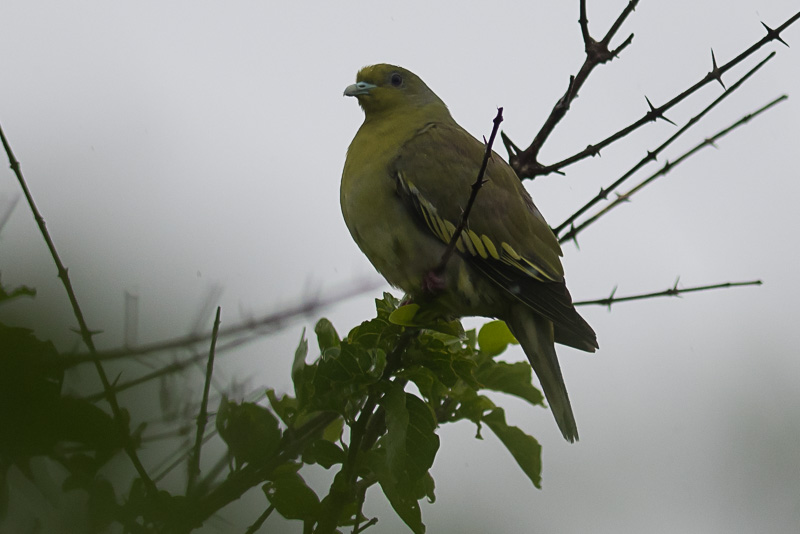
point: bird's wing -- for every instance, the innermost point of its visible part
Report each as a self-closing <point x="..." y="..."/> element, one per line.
<point x="506" y="239"/>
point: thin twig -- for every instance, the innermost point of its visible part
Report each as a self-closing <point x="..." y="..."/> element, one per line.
<point x="479" y="181"/>
<point x="668" y="166"/>
<point x="252" y="529"/>
<point x="194" y="467"/>
<point x="653" y="154"/>
<point x="86" y="334"/>
<point x="531" y="169"/>
<point x="674" y="291"/>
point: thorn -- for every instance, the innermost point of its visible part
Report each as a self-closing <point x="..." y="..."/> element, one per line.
<point x="667" y="167"/>
<point x="774" y="34"/>
<point x="610" y="299"/>
<point x="651" y="156"/>
<point x="509" y="144"/>
<point x="709" y="141"/>
<point x="655" y="114"/>
<point x="674" y="291"/>
<point x="90" y="332"/>
<point x="623" y="197"/>
<point x="715" y="72"/>
<point x="574" y="236"/>
<point x="593" y="150"/>
<point x="603" y="194"/>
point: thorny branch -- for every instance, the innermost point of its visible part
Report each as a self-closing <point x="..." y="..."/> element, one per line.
<point x="653" y="154"/>
<point x="120" y="417"/>
<point x="668" y="166"/>
<point x="674" y="291"/>
<point x="479" y="181"/>
<point x="194" y="465"/>
<point x="525" y="162"/>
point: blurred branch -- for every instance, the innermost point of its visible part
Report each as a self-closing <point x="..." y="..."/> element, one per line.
<point x="86" y="334"/>
<point x="525" y="162"/>
<point x="652" y="155"/>
<point x="6" y="209"/>
<point x="526" y="165"/>
<point x="668" y="166"/>
<point x="674" y="291"/>
<point x="267" y="323"/>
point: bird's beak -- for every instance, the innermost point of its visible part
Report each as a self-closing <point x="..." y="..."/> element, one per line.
<point x="360" y="88"/>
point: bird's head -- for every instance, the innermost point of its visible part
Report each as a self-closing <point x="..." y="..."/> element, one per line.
<point x="386" y="88"/>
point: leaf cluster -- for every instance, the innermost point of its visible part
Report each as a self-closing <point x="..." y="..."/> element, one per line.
<point x="389" y="387"/>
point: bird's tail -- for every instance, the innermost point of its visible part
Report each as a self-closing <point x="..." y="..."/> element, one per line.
<point x="535" y="334"/>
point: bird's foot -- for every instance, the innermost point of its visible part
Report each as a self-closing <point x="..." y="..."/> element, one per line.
<point x="433" y="283"/>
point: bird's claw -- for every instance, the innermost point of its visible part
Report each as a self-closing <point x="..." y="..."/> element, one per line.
<point x="433" y="283"/>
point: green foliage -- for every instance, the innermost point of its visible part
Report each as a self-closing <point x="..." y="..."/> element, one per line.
<point x="393" y="439"/>
<point x="368" y="407"/>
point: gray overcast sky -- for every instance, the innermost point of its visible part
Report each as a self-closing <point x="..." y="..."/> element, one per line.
<point x="174" y="147"/>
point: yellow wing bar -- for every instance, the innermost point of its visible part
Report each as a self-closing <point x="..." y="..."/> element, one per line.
<point x="469" y="242"/>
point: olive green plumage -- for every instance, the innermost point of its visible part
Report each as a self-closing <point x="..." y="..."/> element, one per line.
<point x="406" y="180"/>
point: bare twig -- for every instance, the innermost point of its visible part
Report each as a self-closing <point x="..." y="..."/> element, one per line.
<point x="194" y="466"/>
<point x="479" y="181"/>
<point x="86" y="334"/>
<point x="252" y="529"/>
<point x="653" y="154"/>
<point x="674" y="291"/>
<point x="668" y="166"/>
<point x="525" y="162"/>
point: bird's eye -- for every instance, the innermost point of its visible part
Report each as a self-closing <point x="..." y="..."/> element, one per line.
<point x="396" y="80"/>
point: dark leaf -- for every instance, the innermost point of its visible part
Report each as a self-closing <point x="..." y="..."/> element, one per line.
<point x="524" y="448"/>
<point x="512" y="378"/>
<point x="291" y="497"/>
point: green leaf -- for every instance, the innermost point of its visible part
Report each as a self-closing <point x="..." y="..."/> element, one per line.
<point x="494" y="337"/>
<point x="324" y="453"/>
<point x="524" y="448"/>
<point x="413" y="316"/>
<point x="250" y="431"/>
<point x="386" y="305"/>
<point x="333" y="432"/>
<point x="326" y="335"/>
<point x="472" y="407"/>
<point x="410" y="441"/>
<point x="285" y="407"/>
<point x="512" y="378"/>
<point x="429" y="386"/>
<point x="350" y="365"/>
<point x="299" y="365"/>
<point x="291" y="496"/>
<point x="404" y="315"/>
<point x="403" y="501"/>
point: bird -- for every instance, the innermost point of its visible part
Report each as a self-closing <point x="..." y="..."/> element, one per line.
<point x="406" y="181"/>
